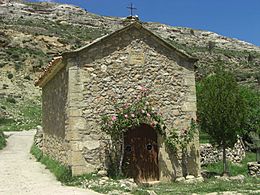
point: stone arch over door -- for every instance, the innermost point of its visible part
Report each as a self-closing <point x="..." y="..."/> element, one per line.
<point x="141" y="154"/>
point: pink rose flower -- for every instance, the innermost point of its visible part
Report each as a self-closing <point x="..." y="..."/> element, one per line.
<point x="113" y="118"/>
<point x="126" y="116"/>
<point x="148" y="114"/>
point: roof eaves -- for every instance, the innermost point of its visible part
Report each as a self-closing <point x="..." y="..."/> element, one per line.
<point x="48" y="71"/>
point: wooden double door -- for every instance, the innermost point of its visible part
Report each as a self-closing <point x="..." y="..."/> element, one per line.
<point x="141" y="154"/>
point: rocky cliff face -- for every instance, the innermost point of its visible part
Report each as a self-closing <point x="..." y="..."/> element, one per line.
<point x="32" y="33"/>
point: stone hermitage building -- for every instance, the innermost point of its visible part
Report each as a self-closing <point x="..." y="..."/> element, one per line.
<point x="78" y="86"/>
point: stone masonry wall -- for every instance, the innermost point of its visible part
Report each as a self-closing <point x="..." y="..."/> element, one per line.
<point x="253" y="169"/>
<point x="54" y="100"/>
<point x="116" y="69"/>
<point x="210" y="154"/>
<point x="56" y="148"/>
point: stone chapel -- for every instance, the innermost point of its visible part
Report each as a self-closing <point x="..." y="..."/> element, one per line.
<point x="77" y="88"/>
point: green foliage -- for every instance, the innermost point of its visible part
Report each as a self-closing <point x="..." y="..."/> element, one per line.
<point x="25" y="115"/>
<point x="27" y="77"/>
<point x="173" y="140"/>
<point x="236" y="169"/>
<point x="249" y="186"/>
<point x="252" y="99"/>
<point x="11" y="100"/>
<point x="252" y="123"/>
<point x="129" y="115"/>
<point x="61" y="172"/>
<point x="78" y="180"/>
<point x="257" y="76"/>
<point x="19" y="55"/>
<point x="10" y="75"/>
<point x="2" y="140"/>
<point x="204" y="137"/>
<point x="36" y="152"/>
<point x="210" y="184"/>
<point x="243" y="76"/>
<point x="255" y="137"/>
<point x="221" y="108"/>
<point x="211" y="45"/>
<point x="74" y="35"/>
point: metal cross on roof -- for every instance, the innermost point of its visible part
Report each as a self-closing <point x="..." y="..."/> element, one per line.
<point x="131" y="9"/>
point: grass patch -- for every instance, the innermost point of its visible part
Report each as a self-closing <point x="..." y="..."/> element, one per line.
<point x="2" y="140"/>
<point x="211" y="185"/>
<point x="22" y="115"/>
<point x="94" y="182"/>
<point x="61" y="172"/>
<point x="64" y="174"/>
<point x="235" y="169"/>
<point x="78" y="180"/>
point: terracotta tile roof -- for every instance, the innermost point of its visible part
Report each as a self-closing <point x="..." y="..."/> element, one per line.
<point x="48" y="69"/>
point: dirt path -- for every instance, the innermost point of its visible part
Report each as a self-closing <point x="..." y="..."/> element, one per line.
<point x="21" y="175"/>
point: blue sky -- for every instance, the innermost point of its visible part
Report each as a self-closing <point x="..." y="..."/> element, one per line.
<point x="233" y="18"/>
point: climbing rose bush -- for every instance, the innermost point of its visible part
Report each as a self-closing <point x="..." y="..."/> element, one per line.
<point x="131" y="114"/>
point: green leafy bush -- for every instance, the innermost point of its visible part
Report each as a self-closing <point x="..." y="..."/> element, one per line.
<point x="10" y="75"/>
<point x="252" y="98"/>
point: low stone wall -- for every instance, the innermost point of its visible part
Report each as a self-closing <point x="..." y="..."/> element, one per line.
<point x="210" y="154"/>
<point x="56" y="148"/>
<point x="253" y="169"/>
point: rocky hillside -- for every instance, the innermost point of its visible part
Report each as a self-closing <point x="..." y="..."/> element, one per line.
<point x="32" y="33"/>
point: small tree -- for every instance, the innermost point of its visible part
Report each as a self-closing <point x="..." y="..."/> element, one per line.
<point x="211" y="46"/>
<point x="221" y="110"/>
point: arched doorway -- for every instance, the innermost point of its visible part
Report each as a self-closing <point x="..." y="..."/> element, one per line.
<point x="141" y="154"/>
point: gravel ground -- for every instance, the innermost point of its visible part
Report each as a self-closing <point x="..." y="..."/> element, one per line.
<point x="21" y="175"/>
